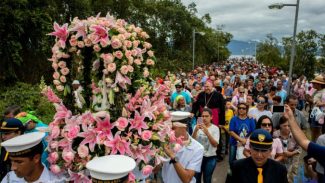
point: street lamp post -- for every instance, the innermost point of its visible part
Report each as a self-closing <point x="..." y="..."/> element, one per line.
<point x="293" y="46"/>
<point x="194" y="32"/>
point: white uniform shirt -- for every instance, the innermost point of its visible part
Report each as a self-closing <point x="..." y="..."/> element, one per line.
<point x="190" y="157"/>
<point x="46" y="177"/>
<point x="209" y="150"/>
<point x="256" y="114"/>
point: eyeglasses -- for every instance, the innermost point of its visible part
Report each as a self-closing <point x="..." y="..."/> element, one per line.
<point x="266" y="125"/>
<point x="242" y="108"/>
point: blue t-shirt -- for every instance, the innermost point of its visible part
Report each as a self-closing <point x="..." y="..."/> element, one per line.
<point x="317" y="151"/>
<point x="243" y="128"/>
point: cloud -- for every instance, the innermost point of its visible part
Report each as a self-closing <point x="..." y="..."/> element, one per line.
<point x="252" y="19"/>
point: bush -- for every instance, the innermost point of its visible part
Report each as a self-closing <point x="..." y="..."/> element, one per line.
<point x="29" y="98"/>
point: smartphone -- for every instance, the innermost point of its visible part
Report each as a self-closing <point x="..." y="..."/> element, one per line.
<point x="279" y="108"/>
<point x="199" y="120"/>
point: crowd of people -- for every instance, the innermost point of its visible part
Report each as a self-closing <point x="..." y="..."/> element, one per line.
<point x="238" y="108"/>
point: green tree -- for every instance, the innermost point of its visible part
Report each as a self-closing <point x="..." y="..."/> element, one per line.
<point x="269" y="53"/>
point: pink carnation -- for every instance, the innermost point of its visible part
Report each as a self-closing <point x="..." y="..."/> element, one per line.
<point x="73" y="41"/>
<point x="150" y="53"/>
<point x="150" y="62"/>
<point x="83" y="151"/>
<point x="54" y="144"/>
<point x="108" y="58"/>
<point x="130" y="68"/>
<point x="55" y="66"/>
<point x="121" y="123"/>
<point x="135" y="43"/>
<point x="147" y="45"/>
<point x="96" y="48"/>
<point x="55" y="132"/>
<point x="147" y="170"/>
<point x="128" y="53"/>
<point x="127" y="43"/>
<point x="73" y="132"/>
<point x="87" y="42"/>
<point x="137" y="61"/>
<point x="146" y="135"/>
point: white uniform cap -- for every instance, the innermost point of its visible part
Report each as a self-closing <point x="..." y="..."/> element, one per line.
<point x="76" y="82"/>
<point x="110" y="167"/>
<point x="179" y="115"/>
<point x="23" y="142"/>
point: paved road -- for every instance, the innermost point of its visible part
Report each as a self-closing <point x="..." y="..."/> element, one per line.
<point x="220" y="173"/>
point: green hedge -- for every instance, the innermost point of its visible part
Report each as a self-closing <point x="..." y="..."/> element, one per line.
<point x="29" y="98"/>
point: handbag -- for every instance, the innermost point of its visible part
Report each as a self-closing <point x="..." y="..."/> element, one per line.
<point x="317" y="115"/>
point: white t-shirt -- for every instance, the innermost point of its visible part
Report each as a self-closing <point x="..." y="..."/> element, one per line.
<point x="256" y="114"/>
<point x="209" y="150"/>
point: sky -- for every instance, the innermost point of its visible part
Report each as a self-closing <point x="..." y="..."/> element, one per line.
<point x="250" y="20"/>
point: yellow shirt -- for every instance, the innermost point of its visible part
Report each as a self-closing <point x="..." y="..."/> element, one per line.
<point x="229" y="114"/>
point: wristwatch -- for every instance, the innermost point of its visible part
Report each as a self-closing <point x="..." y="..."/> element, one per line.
<point x="173" y="160"/>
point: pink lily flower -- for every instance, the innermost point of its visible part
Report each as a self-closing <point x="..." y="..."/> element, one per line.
<point x="138" y="123"/>
<point x="118" y="144"/>
<point x="90" y="137"/>
<point x="61" y="33"/>
<point x="103" y="124"/>
<point x="61" y="112"/>
<point x="121" y="80"/>
<point x="79" y="177"/>
<point x="100" y="33"/>
<point x="147" y="109"/>
<point x="81" y="28"/>
<point x="51" y="96"/>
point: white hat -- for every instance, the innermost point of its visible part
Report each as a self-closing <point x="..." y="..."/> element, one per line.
<point x="76" y="82"/>
<point x="179" y="115"/>
<point x="23" y="144"/>
<point x="112" y="167"/>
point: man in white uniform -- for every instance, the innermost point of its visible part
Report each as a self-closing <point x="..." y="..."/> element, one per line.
<point x="25" y="153"/>
<point x="187" y="161"/>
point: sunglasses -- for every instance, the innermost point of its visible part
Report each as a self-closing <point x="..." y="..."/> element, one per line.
<point x="242" y="108"/>
<point x="260" y="101"/>
<point x="266" y="125"/>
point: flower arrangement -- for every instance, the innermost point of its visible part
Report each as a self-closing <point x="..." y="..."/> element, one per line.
<point x="115" y="110"/>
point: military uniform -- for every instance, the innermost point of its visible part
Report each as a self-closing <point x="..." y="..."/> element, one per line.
<point x="28" y="145"/>
<point x="7" y="126"/>
<point x="110" y="169"/>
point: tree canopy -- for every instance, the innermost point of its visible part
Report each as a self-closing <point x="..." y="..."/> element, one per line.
<point x="25" y="46"/>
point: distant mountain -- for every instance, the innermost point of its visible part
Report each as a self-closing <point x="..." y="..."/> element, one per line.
<point x="237" y="47"/>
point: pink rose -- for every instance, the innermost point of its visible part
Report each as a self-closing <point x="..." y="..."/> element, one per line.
<point x="147" y="45"/>
<point x="83" y="151"/>
<point x="55" y="169"/>
<point x="135" y="44"/>
<point x="146" y="135"/>
<point x="81" y="44"/>
<point x="177" y="147"/>
<point x="127" y="35"/>
<point x="121" y="37"/>
<point x="130" y="60"/>
<point x="104" y="43"/>
<point x="108" y="58"/>
<point x="87" y="42"/>
<point x="64" y="55"/>
<point x="54" y="144"/>
<point x="56" y="75"/>
<point x="73" y="132"/>
<point x="150" y="62"/>
<point x="137" y="61"/>
<point x="73" y="41"/>
<point x="63" y="79"/>
<point x="62" y="64"/>
<point x="121" y="30"/>
<point x="130" y="68"/>
<point x="145" y="73"/>
<point x="60" y="88"/>
<point x="55" y="132"/>
<point x="53" y="157"/>
<point x="116" y="43"/>
<point x="55" y="66"/>
<point x="128" y="53"/>
<point x="121" y="123"/>
<point x="65" y="71"/>
<point x="144" y="35"/>
<point x="124" y="69"/>
<point x="56" y="82"/>
<point x="147" y="170"/>
<point x="138" y="30"/>
<point x="150" y="53"/>
<point x="127" y="43"/>
<point x="111" y="67"/>
<point x="131" y="177"/>
<point x="96" y="48"/>
<point x="118" y="54"/>
<point x="68" y="156"/>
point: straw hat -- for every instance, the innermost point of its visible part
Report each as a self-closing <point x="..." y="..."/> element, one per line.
<point x="319" y="79"/>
